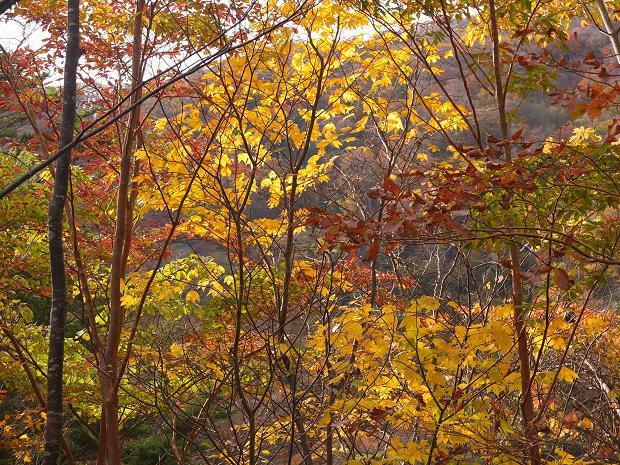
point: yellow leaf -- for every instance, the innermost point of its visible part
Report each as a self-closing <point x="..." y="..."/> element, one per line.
<point x="192" y="296"/>
<point x="355" y="330"/>
<point x="361" y="124"/>
<point x="160" y="124"/>
<point x="428" y="302"/>
<point x="568" y="375"/>
<point x="176" y="350"/>
<point x="394" y="123"/>
<point x="459" y="332"/>
<point x="504" y="311"/>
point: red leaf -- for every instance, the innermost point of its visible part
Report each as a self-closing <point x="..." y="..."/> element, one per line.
<point x="517" y="135"/>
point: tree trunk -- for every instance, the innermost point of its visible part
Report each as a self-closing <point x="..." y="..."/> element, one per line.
<point x="53" y="430"/>
<point x="120" y="251"/>
<point x="527" y="405"/>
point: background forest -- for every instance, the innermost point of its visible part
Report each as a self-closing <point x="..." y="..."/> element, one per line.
<point x="310" y="232"/>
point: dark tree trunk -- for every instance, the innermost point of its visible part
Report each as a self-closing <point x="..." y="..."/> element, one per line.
<point x="53" y="430"/>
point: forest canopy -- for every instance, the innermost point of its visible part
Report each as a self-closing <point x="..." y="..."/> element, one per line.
<point x="310" y="232"/>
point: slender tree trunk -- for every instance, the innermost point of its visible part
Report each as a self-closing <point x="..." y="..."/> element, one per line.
<point x="102" y="451"/>
<point x="53" y="430"/>
<point x="527" y="404"/>
<point x="289" y="255"/>
<point x="120" y="250"/>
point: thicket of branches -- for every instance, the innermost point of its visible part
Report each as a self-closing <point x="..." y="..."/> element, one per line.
<point x="304" y="232"/>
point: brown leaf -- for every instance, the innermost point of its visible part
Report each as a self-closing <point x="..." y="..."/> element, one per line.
<point x="390" y="186"/>
<point x="561" y="279"/>
<point x="508" y="178"/>
<point x="374" y="194"/>
<point x="613" y="131"/>
<point x="524" y="32"/>
<point x="544" y="268"/>
<point x="373" y="250"/>
<point x="569" y="420"/>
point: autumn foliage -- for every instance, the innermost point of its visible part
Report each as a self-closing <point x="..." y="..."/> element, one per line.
<point x="316" y="232"/>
